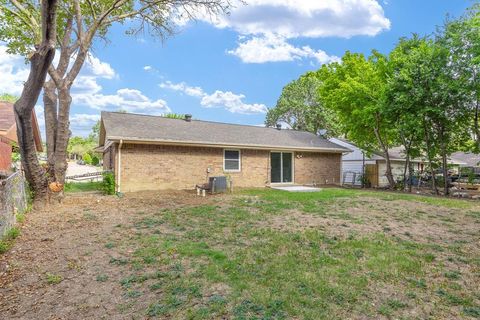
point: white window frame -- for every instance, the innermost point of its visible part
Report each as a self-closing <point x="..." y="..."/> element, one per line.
<point x="239" y="160"/>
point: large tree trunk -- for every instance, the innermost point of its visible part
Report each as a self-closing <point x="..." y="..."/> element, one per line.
<point x="39" y="64"/>
<point x="445" y="169"/>
<point x="386" y="155"/>
<point x="429" y="156"/>
<point x="50" y="106"/>
<point x="63" y="134"/>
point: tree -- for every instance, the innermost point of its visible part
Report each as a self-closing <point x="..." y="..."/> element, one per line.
<point x="40" y="60"/>
<point x="95" y="134"/>
<point x="462" y="38"/>
<point x="174" y="115"/>
<point x="301" y="108"/>
<point x="429" y="93"/>
<point x="79" y="24"/>
<point x="355" y="90"/>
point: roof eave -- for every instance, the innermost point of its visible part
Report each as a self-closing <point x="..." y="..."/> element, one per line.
<point x="224" y="145"/>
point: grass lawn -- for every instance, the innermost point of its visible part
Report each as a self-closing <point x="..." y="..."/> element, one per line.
<point x="267" y="254"/>
<point x="72" y="187"/>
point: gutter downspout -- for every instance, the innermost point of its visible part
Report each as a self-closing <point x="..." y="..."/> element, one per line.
<point x="119" y="165"/>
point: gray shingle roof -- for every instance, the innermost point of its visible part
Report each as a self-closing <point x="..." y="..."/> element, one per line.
<point x="466" y="158"/>
<point x="144" y="128"/>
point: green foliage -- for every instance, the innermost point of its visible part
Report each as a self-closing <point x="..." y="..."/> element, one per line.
<point x="174" y="116"/>
<point x="8" y="97"/>
<point x="108" y="183"/>
<point x="300" y="107"/>
<point x="95" y="160"/>
<point x="355" y="90"/>
<point x="72" y="187"/>
<point x="53" y="278"/>
<point x="4" y="246"/>
<point x="87" y="158"/>
<point x="13" y="233"/>
<point x="20" y="217"/>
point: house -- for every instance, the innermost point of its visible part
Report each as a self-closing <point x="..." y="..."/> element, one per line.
<point x="8" y="134"/>
<point x="154" y="153"/>
<point x="375" y="164"/>
<point x="465" y="159"/>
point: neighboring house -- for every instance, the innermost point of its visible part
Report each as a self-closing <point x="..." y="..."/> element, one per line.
<point x="153" y="153"/>
<point x="465" y="159"/>
<point x="8" y="134"/>
<point x="375" y="164"/>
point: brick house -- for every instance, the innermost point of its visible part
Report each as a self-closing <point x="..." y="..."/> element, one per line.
<point x="8" y="134"/>
<point x="154" y="153"/>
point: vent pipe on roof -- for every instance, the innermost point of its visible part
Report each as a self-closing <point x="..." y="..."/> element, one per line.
<point x="188" y="117"/>
<point x="279" y="126"/>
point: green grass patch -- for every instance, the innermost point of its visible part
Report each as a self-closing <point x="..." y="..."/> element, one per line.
<point x="72" y="187"/>
<point x="53" y="278"/>
<point x="209" y="262"/>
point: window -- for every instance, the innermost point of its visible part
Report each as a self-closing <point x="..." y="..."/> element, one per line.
<point x="231" y="160"/>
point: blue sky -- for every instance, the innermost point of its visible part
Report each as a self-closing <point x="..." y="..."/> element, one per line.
<point x="233" y="69"/>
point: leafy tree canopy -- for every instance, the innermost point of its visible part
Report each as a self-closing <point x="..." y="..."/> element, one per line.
<point x="300" y="107"/>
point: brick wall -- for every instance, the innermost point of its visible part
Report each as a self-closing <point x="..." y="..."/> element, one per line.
<point x="5" y="156"/>
<point x="317" y="168"/>
<point x="156" y="167"/>
<point x="153" y="167"/>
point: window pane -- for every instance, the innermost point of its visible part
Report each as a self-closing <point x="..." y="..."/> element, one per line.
<point x="232" y="164"/>
<point x="287" y="167"/>
<point x="276" y="167"/>
<point x="232" y="155"/>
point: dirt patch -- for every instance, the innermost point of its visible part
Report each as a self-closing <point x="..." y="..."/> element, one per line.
<point x="74" y="260"/>
<point x="407" y="220"/>
<point x="61" y="266"/>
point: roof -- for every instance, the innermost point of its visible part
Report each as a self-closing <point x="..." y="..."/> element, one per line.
<point x="395" y="153"/>
<point x="7" y="117"/>
<point x="8" y="126"/>
<point x="131" y="127"/>
<point x="466" y="158"/>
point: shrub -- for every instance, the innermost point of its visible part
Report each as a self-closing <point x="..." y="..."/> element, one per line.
<point x="87" y="158"/>
<point x="108" y="184"/>
<point x="95" y="160"/>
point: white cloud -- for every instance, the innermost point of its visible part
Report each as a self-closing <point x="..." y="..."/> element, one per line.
<point x="13" y="72"/>
<point x="232" y="102"/>
<point x="183" y="87"/>
<point x="130" y="100"/>
<point x="86" y="84"/>
<point x="305" y="18"/>
<point x="272" y="48"/>
<point x="99" y="68"/>
<point x="86" y="91"/>
<point x="219" y="99"/>
<point x="147" y="68"/>
<point x="269" y="24"/>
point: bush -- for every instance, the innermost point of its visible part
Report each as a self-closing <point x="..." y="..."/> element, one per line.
<point x="87" y="158"/>
<point x="108" y="184"/>
<point x="95" y="160"/>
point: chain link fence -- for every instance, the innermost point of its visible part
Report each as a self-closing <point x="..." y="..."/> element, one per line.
<point x="13" y="200"/>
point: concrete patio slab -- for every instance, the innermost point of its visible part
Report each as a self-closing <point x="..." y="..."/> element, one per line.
<point x="297" y="188"/>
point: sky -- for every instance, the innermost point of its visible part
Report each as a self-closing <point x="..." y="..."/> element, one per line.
<point x="231" y="68"/>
